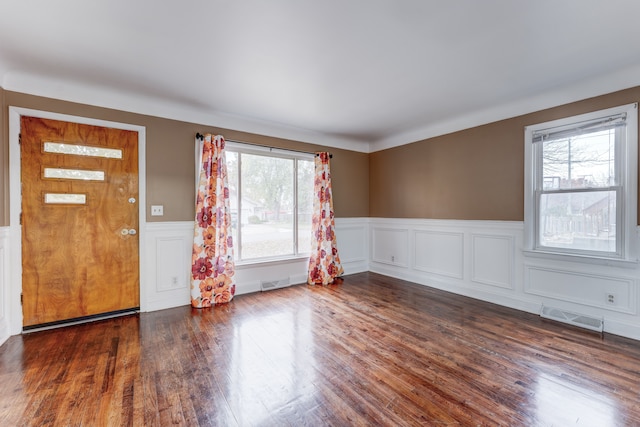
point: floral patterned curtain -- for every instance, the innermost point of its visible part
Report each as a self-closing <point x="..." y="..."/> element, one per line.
<point x="324" y="262"/>
<point x="212" y="267"/>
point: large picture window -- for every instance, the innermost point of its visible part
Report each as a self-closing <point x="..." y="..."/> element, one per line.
<point x="271" y="194"/>
<point x="581" y="184"/>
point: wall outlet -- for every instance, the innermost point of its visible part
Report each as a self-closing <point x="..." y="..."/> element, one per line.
<point x="610" y="298"/>
<point x="157" y="210"/>
<point x="174" y="282"/>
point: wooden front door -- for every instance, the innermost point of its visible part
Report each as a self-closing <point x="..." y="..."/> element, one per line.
<point x="79" y="220"/>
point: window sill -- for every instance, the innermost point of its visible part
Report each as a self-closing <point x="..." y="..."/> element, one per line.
<point x="612" y="262"/>
<point x="240" y="265"/>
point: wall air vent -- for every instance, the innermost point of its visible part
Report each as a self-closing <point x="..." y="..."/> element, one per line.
<point x="589" y="322"/>
<point x="267" y="285"/>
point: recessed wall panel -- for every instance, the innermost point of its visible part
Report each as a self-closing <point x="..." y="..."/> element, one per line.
<point x="389" y="246"/>
<point x="352" y="243"/>
<point x="581" y="288"/>
<point x="492" y="260"/>
<point x="440" y="253"/>
<point x="171" y="271"/>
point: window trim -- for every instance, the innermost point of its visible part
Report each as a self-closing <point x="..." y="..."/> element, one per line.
<point x="627" y="166"/>
<point x="255" y="149"/>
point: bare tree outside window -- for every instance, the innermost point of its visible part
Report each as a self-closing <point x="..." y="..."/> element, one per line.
<point x="584" y="218"/>
<point x="578" y="198"/>
<point x="269" y="197"/>
<point x="581" y="185"/>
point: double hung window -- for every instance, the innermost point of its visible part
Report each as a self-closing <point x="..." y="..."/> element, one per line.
<point x="581" y="180"/>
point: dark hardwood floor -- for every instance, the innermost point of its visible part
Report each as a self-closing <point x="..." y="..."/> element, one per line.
<point x="370" y="351"/>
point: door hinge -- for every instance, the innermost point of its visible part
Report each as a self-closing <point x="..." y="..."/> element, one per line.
<point x="20" y="138"/>
<point x="21" y="298"/>
<point x="20" y="218"/>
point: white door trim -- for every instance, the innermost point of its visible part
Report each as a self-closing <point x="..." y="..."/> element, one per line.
<point x="15" y="201"/>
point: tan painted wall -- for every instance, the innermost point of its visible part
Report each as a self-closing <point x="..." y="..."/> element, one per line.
<point x="170" y="158"/>
<point x="474" y="174"/>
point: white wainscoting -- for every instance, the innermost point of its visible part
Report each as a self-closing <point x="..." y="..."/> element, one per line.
<point x="168" y="264"/>
<point x="594" y="289"/>
<point x="166" y="267"/>
<point x="390" y="246"/>
<point x="5" y="329"/>
<point x="492" y="258"/>
<point x="439" y="252"/>
<point x="479" y="259"/>
<point x="484" y="260"/>
<point x="352" y="236"/>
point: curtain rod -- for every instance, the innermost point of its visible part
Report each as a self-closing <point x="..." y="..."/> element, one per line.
<point x="201" y="136"/>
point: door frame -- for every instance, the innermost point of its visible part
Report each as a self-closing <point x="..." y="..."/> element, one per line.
<point x="15" y="201"/>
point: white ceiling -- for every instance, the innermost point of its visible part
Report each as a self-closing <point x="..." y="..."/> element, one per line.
<point x="358" y="74"/>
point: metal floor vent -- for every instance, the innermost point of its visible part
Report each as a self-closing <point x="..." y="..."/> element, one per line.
<point x="267" y="285"/>
<point x="581" y="320"/>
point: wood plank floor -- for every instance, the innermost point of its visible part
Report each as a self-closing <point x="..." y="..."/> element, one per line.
<point x="369" y="351"/>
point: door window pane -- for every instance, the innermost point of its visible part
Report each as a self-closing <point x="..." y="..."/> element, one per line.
<point x="65" y="199"/>
<point x="82" y="150"/>
<point x="83" y="175"/>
